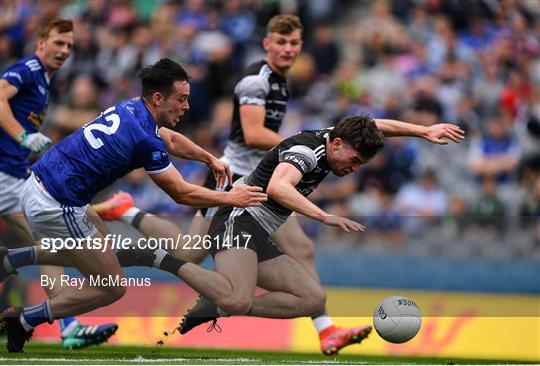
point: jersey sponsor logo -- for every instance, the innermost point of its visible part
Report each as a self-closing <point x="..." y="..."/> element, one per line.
<point x="298" y="161"/>
<point x="274" y="114"/>
<point x="33" y="65"/>
<point x="37" y="120"/>
<point x="11" y="74"/>
<point x="278" y="87"/>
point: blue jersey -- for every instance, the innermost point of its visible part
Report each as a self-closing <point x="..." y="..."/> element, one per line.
<point x="28" y="105"/>
<point x="123" y="138"/>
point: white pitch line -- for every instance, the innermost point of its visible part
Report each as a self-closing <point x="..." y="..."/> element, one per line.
<point x="136" y="359"/>
<point x="326" y="362"/>
<point x="141" y="359"/>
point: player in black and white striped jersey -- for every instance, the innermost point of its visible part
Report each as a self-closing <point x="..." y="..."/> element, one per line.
<point x="288" y="173"/>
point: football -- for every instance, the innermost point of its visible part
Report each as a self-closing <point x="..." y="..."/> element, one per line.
<point x="397" y="319"/>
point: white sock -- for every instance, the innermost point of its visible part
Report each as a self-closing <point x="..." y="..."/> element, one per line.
<point x="160" y="254"/>
<point x="322" y="322"/>
<point x="129" y="215"/>
<point x="7" y="265"/>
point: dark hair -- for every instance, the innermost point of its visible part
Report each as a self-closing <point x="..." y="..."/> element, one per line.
<point x="284" y="24"/>
<point x="361" y="133"/>
<point x="160" y="77"/>
<point x="62" y="25"/>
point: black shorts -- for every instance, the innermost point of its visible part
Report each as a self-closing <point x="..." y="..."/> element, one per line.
<point x="210" y="183"/>
<point x="234" y="227"/>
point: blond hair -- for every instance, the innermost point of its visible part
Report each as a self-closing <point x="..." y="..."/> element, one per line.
<point x="284" y="24"/>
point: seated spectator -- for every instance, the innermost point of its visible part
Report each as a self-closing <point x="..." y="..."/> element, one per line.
<point x="384" y="221"/>
<point x="422" y="201"/>
<point x="488" y="211"/>
<point x="495" y="153"/>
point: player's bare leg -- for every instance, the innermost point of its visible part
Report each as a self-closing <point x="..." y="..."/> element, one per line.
<point x="18" y="224"/>
<point x="69" y="301"/>
<point x="232" y="286"/>
<point x="293" y="241"/>
<point x="120" y="207"/>
<point x="292" y="299"/>
<point x="292" y="290"/>
<point x="73" y="301"/>
<point x="198" y="227"/>
<point x="70" y="328"/>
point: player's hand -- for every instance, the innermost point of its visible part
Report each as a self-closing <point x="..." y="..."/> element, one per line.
<point x="35" y="141"/>
<point x="245" y="195"/>
<point x="344" y="223"/>
<point x="222" y="172"/>
<point x="437" y="133"/>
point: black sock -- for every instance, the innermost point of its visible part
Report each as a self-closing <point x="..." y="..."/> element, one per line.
<point x="135" y="257"/>
<point x="138" y="218"/>
<point x="171" y="264"/>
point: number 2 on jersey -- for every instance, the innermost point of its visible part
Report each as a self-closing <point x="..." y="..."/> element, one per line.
<point x="96" y="142"/>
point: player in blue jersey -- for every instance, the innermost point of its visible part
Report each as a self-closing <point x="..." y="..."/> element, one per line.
<point x="24" y="96"/>
<point x="132" y="134"/>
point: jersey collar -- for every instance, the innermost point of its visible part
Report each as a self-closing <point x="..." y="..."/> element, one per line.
<point x="45" y="74"/>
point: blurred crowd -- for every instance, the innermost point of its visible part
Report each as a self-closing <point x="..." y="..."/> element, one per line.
<point x="475" y="63"/>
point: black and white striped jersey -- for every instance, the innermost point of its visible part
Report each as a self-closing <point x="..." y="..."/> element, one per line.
<point x="258" y="85"/>
<point x="307" y="152"/>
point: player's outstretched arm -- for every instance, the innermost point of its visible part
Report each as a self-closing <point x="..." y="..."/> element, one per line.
<point x="182" y="192"/>
<point x="435" y="133"/>
<point x="182" y="147"/>
<point x="282" y="189"/>
<point x="34" y="141"/>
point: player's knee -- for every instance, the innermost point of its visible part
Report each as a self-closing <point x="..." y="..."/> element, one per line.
<point x="315" y="303"/>
<point x="111" y="294"/>
<point x="117" y="292"/>
<point x="236" y="305"/>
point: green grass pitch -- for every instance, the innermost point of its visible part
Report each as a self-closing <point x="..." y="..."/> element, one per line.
<point x="37" y="353"/>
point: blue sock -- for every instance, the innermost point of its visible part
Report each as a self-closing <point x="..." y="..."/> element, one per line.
<point x="36" y="315"/>
<point x="65" y="322"/>
<point x="17" y="258"/>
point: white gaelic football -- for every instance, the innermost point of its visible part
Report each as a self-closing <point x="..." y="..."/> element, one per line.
<point x="397" y="319"/>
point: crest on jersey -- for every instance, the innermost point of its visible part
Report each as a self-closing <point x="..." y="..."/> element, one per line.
<point x="156" y="155"/>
